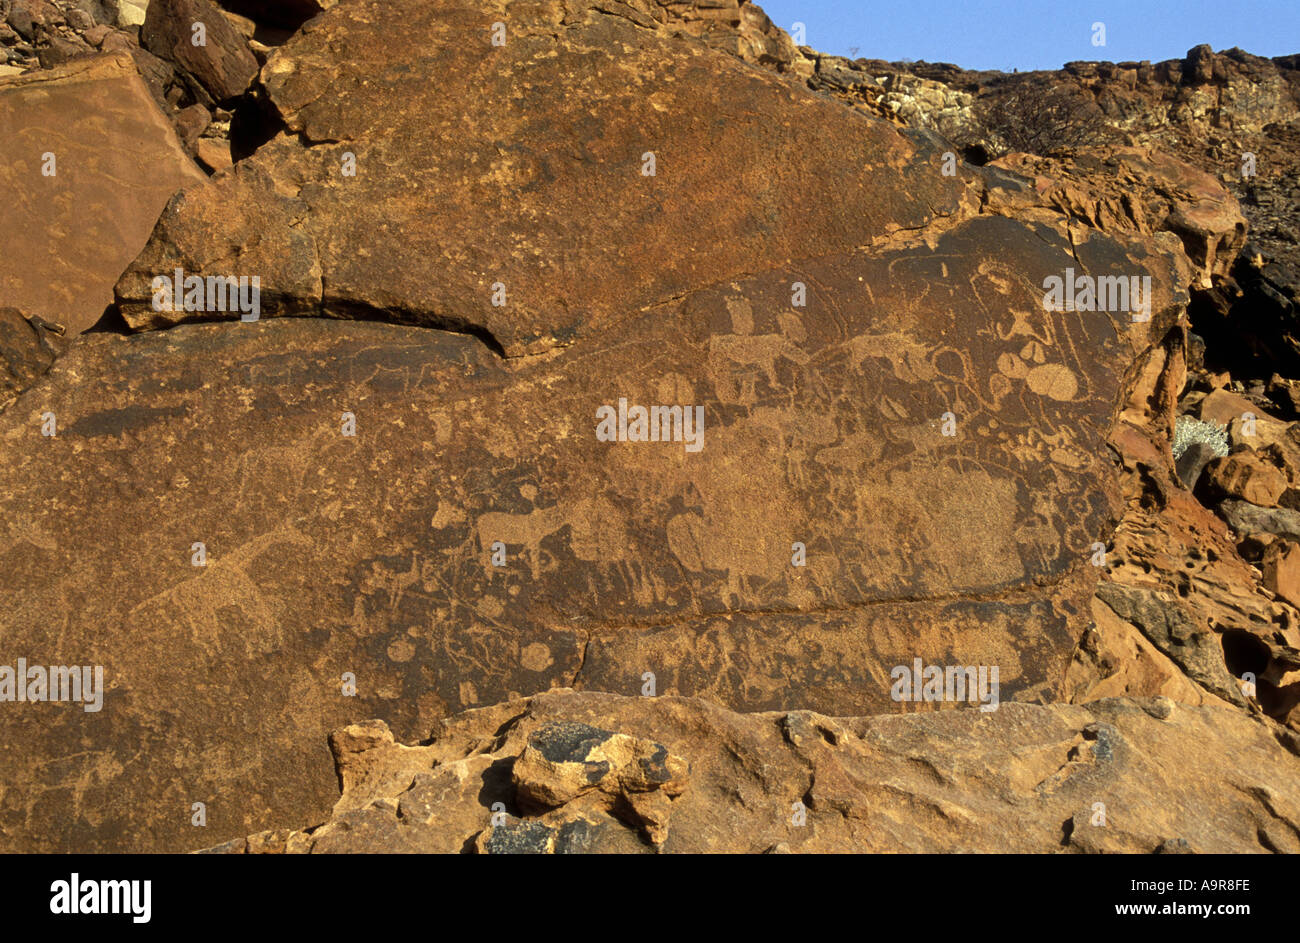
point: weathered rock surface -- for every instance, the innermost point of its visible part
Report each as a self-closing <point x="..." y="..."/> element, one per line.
<point x="580" y="766"/>
<point x="1170" y="628"/>
<point x="737" y="27"/>
<point x="76" y="221"/>
<point x="1179" y="611"/>
<point x="1250" y="519"/>
<point x="449" y="211"/>
<point x="1116" y="659"/>
<point x="221" y="65"/>
<point x="622" y="558"/>
<point x="1247" y="476"/>
<point x="48" y="33"/>
<point x="1233" y="115"/>
<point x="824" y="430"/>
<point x="131" y="12"/>
<point x="1281" y="568"/>
<point x="27" y="349"/>
<point x="1225" y="407"/>
<point x="1118" y="775"/>
<point x="1146" y="191"/>
<point x="206" y="521"/>
<point x="192" y="67"/>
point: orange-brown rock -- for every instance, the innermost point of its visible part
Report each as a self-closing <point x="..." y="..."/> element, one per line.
<point x="903" y="452"/>
<point x="1225" y="407"/>
<point x="1116" y="660"/>
<point x="457" y="229"/>
<point x="1247" y="475"/>
<point x="91" y="162"/>
<point x="1281" y="567"/>
<point x="1173" y="569"/>
<point x="1116" y="775"/>
<point x="1175" y="578"/>
<point x="1142" y="190"/>
<point x="271" y="530"/>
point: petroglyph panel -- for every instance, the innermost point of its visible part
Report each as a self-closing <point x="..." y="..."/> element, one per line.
<point x="835" y="658"/>
<point x="373" y="554"/>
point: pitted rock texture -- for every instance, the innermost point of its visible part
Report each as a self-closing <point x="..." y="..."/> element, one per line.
<point x="76" y="221"/>
<point x="335" y="558"/>
<point x="1117" y="775"/>
<point x="1179" y="612"/>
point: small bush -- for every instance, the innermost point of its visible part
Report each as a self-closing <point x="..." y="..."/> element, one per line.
<point x="1188" y="431"/>
<point x="1043" y="120"/>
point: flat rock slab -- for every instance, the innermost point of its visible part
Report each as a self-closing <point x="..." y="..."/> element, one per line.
<point x="371" y="554"/>
<point x="116" y="162"/>
<point x="1129" y="776"/>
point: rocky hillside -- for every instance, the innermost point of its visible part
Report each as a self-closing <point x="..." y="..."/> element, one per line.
<point x="607" y="426"/>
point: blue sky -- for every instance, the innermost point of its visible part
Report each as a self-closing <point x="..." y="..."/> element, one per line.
<point x="1039" y="34"/>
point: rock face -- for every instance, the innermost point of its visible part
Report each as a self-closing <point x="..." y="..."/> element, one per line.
<point x="1181" y="132"/>
<point x="1145" y="191"/>
<point x="1027" y="779"/>
<point x="1233" y="115"/>
<point x="87" y="196"/>
<point x="483" y="221"/>
<point x="895" y="451"/>
<point x="606" y="576"/>
<point x="658" y="370"/>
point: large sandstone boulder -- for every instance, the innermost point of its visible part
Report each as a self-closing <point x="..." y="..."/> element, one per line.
<point x="91" y="162"/>
<point x="1121" y="775"/>
<point x="1121" y="189"/>
<point x="264" y="531"/>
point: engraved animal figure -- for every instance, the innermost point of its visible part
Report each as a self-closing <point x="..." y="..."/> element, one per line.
<point x="803" y="430"/>
<point x="513" y="530"/>
<point x="762" y="351"/>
